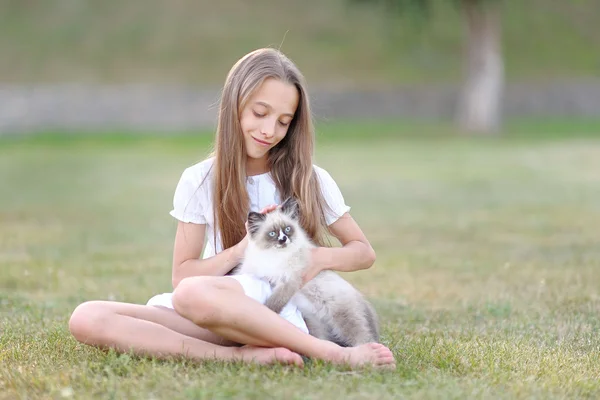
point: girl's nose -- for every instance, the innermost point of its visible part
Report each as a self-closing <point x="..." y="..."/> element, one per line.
<point x="268" y="128"/>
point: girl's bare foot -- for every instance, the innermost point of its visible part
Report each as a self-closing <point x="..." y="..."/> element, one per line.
<point x="370" y="354"/>
<point x="266" y="355"/>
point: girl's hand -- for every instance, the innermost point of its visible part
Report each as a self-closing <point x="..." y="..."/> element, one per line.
<point x="269" y="208"/>
<point x="314" y="269"/>
<point x="241" y="246"/>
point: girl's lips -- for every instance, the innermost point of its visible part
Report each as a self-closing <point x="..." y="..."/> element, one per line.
<point x="261" y="142"/>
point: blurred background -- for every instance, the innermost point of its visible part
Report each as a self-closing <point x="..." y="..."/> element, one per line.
<point x="82" y="65"/>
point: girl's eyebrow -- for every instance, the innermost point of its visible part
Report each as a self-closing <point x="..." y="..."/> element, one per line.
<point x="262" y="103"/>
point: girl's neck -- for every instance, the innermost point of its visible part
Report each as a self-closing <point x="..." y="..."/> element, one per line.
<point x="256" y="166"/>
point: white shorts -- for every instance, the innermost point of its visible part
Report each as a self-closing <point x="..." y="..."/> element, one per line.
<point x="255" y="288"/>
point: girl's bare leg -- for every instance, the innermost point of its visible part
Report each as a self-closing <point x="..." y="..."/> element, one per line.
<point x="220" y="305"/>
<point x="160" y="332"/>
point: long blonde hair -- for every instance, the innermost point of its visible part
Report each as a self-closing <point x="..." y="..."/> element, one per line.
<point x="290" y="162"/>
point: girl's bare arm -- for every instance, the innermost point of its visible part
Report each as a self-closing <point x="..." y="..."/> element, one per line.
<point x="189" y="243"/>
<point x="355" y="254"/>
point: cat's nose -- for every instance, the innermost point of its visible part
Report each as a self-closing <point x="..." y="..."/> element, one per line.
<point x="283" y="240"/>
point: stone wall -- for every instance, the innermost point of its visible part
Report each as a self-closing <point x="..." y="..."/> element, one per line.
<point x="170" y="109"/>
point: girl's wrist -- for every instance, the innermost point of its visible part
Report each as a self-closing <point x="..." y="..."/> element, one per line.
<point x="237" y="253"/>
<point x="315" y="266"/>
<point x="319" y="258"/>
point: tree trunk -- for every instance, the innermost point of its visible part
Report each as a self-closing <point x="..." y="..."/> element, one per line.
<point x="480" y="104"/>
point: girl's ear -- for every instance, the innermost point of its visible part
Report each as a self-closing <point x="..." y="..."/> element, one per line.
<point x="290" y="207"/>
<point x="254" y="221"/>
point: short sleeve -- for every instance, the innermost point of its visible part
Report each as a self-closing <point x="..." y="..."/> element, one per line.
<point x="332" y="195"/>
<point x="189" y="201"/>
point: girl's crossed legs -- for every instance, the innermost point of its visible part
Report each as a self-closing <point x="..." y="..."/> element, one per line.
<point x="212" y="316"/>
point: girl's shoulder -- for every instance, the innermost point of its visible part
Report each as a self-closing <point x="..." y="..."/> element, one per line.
<point x="192" y="201"/>
<point x="202" y="168"/>
<point x="199" y="172"/>
<point x="336" y="205"/>
<point x="324" y="176"/>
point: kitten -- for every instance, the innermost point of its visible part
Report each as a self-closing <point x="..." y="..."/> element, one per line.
<point x="279" y="251"/>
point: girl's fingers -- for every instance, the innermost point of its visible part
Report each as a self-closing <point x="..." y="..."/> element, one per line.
<point x="268" y="209"/>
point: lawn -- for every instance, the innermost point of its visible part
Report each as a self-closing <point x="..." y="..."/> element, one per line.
<point x="486" y="281"/>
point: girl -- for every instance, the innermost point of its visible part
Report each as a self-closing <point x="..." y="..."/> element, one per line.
<point x="263" y="154"/>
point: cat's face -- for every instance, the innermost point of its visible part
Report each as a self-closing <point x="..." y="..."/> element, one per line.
<point x="277" y="229"/>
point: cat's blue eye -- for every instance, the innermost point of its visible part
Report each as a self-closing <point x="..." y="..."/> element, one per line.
<point x="272" y="233"/>
<point x="287" y="229"/>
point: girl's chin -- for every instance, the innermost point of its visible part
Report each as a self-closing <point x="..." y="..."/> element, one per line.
<point x="256" y="155"/>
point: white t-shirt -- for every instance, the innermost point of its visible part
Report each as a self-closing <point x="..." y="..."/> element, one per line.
<point x="193" y="201"/>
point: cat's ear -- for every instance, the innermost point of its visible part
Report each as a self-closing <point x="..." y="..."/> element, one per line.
<point x="291" y="207"/>
<point x="254" y="221"/>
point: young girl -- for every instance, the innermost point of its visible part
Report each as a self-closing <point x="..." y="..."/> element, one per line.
<point x="263" y="154"/>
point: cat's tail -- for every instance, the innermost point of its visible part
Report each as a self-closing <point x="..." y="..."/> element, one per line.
<point x="372" y="320"/>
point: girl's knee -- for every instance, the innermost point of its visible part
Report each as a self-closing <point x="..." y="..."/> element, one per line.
<point x="197" y="299"/>
<point x="191" y="298"/>
<point x="89" y="321"/>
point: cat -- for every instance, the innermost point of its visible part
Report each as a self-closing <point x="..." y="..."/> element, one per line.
<point x="279" y="252"/>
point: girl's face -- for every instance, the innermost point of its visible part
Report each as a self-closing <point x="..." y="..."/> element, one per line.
<point x="267" y="115"/>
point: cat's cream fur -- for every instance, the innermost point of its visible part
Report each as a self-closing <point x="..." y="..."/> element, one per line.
<point x="279" y="252"/>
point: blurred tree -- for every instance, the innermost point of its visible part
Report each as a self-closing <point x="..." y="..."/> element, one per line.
<point x="479" y="106"/>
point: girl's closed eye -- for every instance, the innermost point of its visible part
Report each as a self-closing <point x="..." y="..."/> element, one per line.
<point x="258" y="115"/>
<point x="284" y="123"/>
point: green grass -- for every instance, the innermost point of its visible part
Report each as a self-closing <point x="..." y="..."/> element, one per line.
<point x="486" y="278"/>
<point x="196" y="42"/>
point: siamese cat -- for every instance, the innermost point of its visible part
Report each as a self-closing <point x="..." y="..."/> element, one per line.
<point x="279" y="252"/>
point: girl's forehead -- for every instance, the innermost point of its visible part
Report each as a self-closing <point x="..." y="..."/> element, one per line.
<point x="280" y="97"/>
